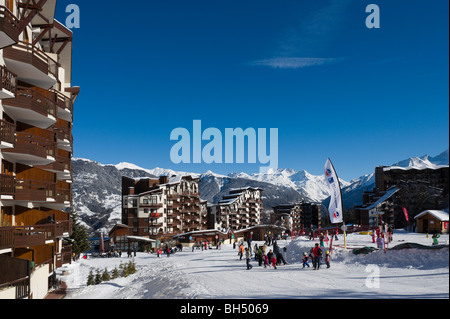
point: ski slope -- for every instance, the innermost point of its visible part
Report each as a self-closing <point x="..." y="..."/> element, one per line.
<point x="219" y="274"/>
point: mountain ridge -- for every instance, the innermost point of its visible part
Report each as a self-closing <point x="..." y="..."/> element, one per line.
<point x="97" y="187"/>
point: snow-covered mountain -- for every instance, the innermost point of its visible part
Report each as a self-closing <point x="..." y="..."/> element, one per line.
<point x="97" y="187"/>
<point x="313" y="186"/>
<point x="96" y="190"/>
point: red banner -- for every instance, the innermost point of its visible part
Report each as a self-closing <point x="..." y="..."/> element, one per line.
<point x="406" y="214"/>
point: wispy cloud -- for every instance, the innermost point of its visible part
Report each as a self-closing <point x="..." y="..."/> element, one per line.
<point x="292" y="62"/>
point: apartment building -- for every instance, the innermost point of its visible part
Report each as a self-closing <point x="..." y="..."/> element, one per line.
<point x="240" y="209"/>
<point x="163" y="207"/>
<point x="416" y="189"/>
<point x="297" y="217"/>
<point x="36" y="115"/>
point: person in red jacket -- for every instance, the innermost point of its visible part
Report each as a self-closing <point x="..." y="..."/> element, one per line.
<point x="317" y="251"/>
<point x="327" y="258"/>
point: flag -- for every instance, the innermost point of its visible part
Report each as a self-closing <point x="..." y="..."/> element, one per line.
<point x="335" y="209"/>
<point x="101" y="248"/>
<point x="405" y="211"/>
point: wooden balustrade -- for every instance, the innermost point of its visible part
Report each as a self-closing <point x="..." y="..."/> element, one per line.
<point x="31" y="144"/>
<point x="7" y="132"/>
<point x="29" y="98"/>
<point x="8" y="80"/>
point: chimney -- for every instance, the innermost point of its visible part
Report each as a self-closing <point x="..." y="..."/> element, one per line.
<point x="130" y="190"/>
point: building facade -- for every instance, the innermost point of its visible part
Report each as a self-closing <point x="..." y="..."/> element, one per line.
<point x="297" y="217"/>
<point x="240" y="209"/>
<point x="164" y="207"/>
<point x="416" y="189"/>
<point x="36" y="115"/>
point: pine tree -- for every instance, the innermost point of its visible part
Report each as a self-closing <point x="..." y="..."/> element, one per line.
<point x="115" y="273"/>
<point x="79" y="238"/>
<point x="98" y="278"/>
<point x="91" y="280"/>
<point x="105" y="275"/>
<point x="131" y="267"/>
<point x="123" y="270"/>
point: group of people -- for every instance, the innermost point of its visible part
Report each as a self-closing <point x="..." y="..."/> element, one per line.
<point x="269" y="259"/>
<point x="275" y="257"/>
<point x="316" y="254"/>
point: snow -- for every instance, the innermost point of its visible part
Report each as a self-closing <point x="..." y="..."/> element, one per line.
<point x="219" y="274"/>
<point x="314" y="186"/>
<point x="439" y="214"/>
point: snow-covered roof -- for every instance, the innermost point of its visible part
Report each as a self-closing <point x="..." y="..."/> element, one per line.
<point x="419" y="168"/>
<point x="141" y="238"/>
<point x="391" y="191"/>
<point x="439" y="214"/>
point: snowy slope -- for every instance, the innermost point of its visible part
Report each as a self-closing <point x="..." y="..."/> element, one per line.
<point x="219" y="274"/>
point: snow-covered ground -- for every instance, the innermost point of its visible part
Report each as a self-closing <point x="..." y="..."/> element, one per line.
<point x="219" y="274"/>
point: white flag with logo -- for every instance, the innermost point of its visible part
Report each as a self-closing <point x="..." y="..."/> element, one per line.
<point x="335" y="208"/>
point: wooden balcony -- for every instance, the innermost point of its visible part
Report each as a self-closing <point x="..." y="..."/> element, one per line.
<point x="7" y="185"/>
<point x="34" y="191"/>
<point x="14" y="273"/>
<point x="63" y="195"/>
<point x="31" y="149"/>
<point x="8" y="83"/>
<point x="31" y="64"/>
<point x="29" y="236"/>
<point x="9" y="28"/>
<point x="64" y="104"/>
<point x="7" y="134"/>
<point x="32" y="107"/>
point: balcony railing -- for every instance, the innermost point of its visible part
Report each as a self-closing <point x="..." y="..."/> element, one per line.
<point x="7" y="185"/>
<point x="63" y="195"/>
<point x="31" y="99"/>
<point x="32" y="190"/>
<point x="27" y="53"/>
<point x="29" y="236"/>
<point x="9" y="24"/>
<point x="31" y="144"/>
<point x="7" y="132"/>
<point x="8" y="80"/>
<point x="63" y="101"/>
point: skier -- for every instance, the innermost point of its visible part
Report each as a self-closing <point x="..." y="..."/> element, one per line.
<point x="260" y="255"/>
<point x="380" y="242"/>
<point x="241" y="251"/>
<point x="266" y="261"/>
<point x="279" y="256"/>
<point x="248" y="256"/>
<point x="274" y="262"/>
<point x="327" y="258"/>
<point x="435" y="239"/>
<point x="317" y="254"/>
<point x="305" y="260"/>
<point x="270" y="255"/>
<point x="321" y="240"/>
<point x="311" y="232"/>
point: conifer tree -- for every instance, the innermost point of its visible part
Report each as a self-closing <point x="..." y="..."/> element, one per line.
<point x="105" y="275"/>
<point x="115" y="273"/>
<point x="98" y="278"/>
<point x="91" y="280"/>
<point x="79" y="238"/>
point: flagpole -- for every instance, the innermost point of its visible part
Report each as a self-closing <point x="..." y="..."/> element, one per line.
<point x="342" y="204"/>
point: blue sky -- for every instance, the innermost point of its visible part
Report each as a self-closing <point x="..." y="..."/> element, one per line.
<point x="333" y="88"/>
